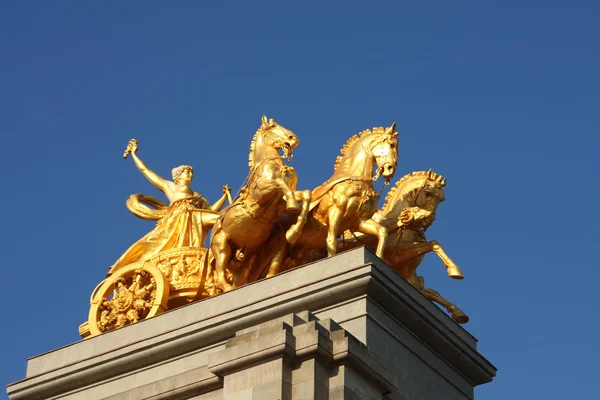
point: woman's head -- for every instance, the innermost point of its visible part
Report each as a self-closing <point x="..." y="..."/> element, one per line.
<point x="183" y="174"/>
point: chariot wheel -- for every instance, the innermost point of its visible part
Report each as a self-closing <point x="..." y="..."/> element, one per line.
<point x="133" y="293"/>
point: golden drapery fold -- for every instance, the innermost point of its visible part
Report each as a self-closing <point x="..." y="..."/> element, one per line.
<point x="180" y="226"/>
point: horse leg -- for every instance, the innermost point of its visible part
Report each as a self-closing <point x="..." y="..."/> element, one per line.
<point x="453" y="270"/>
<point x="290" y="198"/>
<point x="372" y="227"/>
<point x="296" y="257"/>
<point x="457" y="314"/>
<point x="334" y="217"/>
<point x="239" y="276"/>
<point x="295" y="230"/>
<point x="268" y="255"/>
<point x="418" y="249"/>
<point x="221" y="250"/>
<point x="276" y="261"/>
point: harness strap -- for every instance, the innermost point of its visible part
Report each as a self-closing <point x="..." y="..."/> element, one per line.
<point x="331" y="184"/>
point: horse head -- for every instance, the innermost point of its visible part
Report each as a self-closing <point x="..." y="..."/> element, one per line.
<point x="268" y="140"/>
<point x="278" y="137"/>
<point x="363" y="150"/>
<point x="384" y="149"/>
<point x="414" y="199"/>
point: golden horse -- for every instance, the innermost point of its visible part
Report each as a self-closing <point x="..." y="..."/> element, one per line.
<point x="347" y="200"/>
<point x="270" y="191"/>
<point x="410" y="208"/>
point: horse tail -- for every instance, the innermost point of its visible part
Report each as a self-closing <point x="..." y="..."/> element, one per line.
<point x="138" y="205"/>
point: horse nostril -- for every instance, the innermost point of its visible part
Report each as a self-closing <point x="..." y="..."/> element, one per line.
<point x="390" y="168"/>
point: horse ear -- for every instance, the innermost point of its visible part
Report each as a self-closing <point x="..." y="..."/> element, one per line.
<point x="391" y="130"/>
<point x="271" y="121"/>
<point x="264" y="120"/>
<point x="430" y="174"/>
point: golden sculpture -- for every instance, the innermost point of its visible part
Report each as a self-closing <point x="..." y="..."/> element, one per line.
<point x="409" y="210"/>
<point x="269" y="227"/>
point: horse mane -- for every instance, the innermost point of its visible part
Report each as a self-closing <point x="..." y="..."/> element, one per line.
<point x="252" y="146"/>
<point x="438" y="180"/>
<point x="350" y="142"/>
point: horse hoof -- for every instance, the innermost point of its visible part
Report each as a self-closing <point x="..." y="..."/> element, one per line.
<point x="224" y="288"/>
<point x="272" y="273"/>
<point x="292" y="235"/>
<point x="454" y="272"/>
<point x="460" y="317"/>
<point x="292" y="207"/>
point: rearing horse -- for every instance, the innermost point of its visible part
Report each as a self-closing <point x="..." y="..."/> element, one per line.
<point x="247" y="223"/>
<point x="348" y="200"/>
<point x="410" y="209"/>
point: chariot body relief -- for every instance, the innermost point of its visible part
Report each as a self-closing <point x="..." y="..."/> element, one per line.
<point x="182" y="223"/>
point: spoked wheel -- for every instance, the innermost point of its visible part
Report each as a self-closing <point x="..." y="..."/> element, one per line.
<point x="133" y="293"/>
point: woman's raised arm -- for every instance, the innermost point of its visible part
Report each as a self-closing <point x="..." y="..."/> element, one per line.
<point x="155" y="179"/>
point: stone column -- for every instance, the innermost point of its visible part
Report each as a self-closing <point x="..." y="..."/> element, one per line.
<point x="297" y="357"/>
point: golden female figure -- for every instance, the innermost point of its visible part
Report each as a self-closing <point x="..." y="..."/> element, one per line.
<point x="183" y="223"/>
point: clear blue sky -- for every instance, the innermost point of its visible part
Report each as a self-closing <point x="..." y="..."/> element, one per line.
<point x="501" y="99"/>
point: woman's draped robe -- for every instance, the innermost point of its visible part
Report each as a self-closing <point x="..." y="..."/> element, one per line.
<point x="180" y="226"/>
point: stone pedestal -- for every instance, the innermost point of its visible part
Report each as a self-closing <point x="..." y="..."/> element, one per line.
<point x="346" y="327"/>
